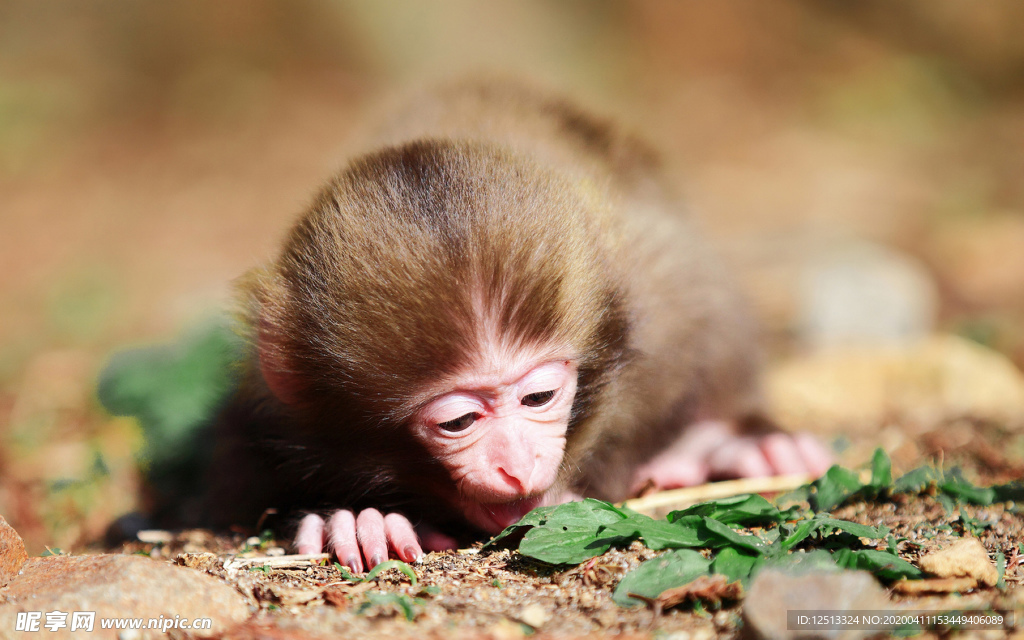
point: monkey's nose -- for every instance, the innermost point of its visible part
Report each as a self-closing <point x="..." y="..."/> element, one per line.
<point x="517" y="480"/>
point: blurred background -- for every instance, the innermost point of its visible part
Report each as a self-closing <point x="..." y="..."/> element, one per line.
<point x="861" y="165"/>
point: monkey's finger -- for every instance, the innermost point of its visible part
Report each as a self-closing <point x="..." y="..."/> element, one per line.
<point x="740" y="458"/>
<point x="783" y="454"/>
<point x="310" y="537"/>
<point x="402" y="538"/>
<point x="372" y="538"/>
<point x="341" y="539"/>
<point x="816" y="456"/>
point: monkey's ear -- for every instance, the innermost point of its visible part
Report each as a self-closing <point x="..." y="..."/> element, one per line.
<point x="282" y="381"/>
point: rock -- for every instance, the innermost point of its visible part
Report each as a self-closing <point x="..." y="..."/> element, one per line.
<point x="118" y="586"/>
<point x="865" y="294"/>
<point x="12" y="552"/>
<point x="938" y="378"/>
<point x="534" y="615"/>
<point x="773" y="594"/>
<point x="966" y="558"/>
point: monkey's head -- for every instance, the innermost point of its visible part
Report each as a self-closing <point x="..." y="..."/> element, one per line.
<point x="441" y="321"/>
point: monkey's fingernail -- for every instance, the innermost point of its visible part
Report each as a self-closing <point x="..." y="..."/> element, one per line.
<point x="412" y="553"/>
<point x="375" y="560"/>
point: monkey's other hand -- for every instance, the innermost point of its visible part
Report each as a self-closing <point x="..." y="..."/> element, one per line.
<point x="713" y="450"/>
<point x="363" y="540"/>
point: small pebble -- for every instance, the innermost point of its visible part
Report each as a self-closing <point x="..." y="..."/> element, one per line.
<point x="534" y="615"/>
<point x="723" y="619"/>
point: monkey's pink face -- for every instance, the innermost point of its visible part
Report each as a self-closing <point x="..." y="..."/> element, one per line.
<point x="500" y="432"/>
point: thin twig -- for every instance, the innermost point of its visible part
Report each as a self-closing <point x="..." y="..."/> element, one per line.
<point x="692" y="495"/>
<point x="278" y="562"/>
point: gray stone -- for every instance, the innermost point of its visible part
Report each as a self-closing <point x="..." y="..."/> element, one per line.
<point x="12" y="552"/>
<point x="773" y="594"/>
<point x="117" y="586"/>
<point x="861" y="293"/>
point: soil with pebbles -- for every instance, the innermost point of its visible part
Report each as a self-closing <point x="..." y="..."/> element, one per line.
<point x="501" y="594"/>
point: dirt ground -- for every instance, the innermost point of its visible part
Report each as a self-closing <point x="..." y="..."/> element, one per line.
<point x="500" y="594"/>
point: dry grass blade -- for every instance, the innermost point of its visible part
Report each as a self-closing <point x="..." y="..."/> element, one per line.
<point x="281" y="562"/>
<point x="679" y="498"/>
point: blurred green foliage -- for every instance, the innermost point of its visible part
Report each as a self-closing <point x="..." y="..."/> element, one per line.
<point x="173" y="390"/>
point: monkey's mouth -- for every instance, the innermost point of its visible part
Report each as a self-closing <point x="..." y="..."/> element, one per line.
<point x="492" y="518"/>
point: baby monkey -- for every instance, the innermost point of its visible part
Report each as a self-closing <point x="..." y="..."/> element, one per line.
<point x="500" y="308"/>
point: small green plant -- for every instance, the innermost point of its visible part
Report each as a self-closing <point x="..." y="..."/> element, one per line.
<point x="408" y="606"/>
<point x="376" y="571"/>
<point x="743" y="534"/>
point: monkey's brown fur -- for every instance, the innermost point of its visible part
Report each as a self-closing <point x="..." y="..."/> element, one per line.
<point x="489" y="204"/>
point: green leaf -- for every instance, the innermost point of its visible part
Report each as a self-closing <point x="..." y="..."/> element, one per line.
<point x="667" y="571"/>
<point x="736" y="564"/>
<point x="745" y="510"/>
<point x="962" y="490"/>
<point x="917" y="480"/>
<point x="948" y="503"/>
<point x="1001" y="568"/>
<point x="392" y="564"/>
<point x="973" y="526"/>
<point x="569" y="533"/>
<point x="346" y="574"/>
<point x="1010" y="492"/>
<point x="563" y="545"/>
<point x="378" y="599"/>
<point x="728" y="535"/>
<point x="825" y="524"/>
<point x="859" y="530"/>
<point x="803" y="530"/>
<point x="834" y="487"/>
<point x="892" y="543"/>
<point x="883" y="564"/>
<point x="881" y="471"/>
<point x="657" y="534"/>
<point x="817" y="560"/>
<point x="768" y="536"/>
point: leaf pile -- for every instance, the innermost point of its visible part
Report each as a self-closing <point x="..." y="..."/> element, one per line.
<point x="744" y="533"/>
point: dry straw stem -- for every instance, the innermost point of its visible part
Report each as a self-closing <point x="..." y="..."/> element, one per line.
<point x="281" y="562"/>
<point x="686" y="496"/>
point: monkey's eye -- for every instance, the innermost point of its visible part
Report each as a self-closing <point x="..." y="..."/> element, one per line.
<point x="459" y="424"/>
<point x="538" y="399"/>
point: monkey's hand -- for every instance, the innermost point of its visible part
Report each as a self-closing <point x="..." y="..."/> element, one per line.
<point x="368" y="536"/>
<point x="715" y="450"/>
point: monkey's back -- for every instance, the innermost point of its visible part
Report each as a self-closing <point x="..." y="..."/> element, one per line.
<point x="693" y="345"/>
